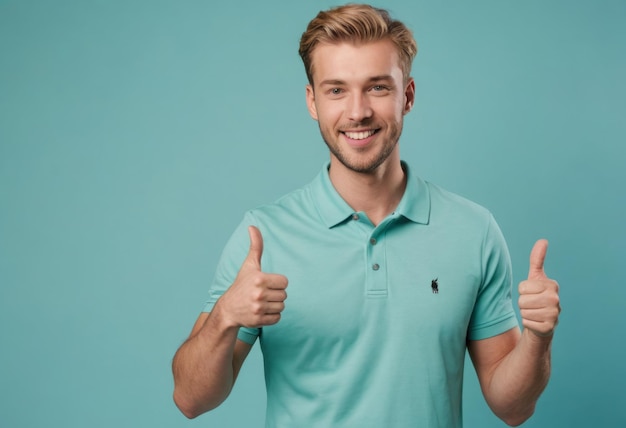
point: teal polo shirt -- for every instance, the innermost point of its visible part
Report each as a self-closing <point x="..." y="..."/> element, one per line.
<point x="377" y="318"/>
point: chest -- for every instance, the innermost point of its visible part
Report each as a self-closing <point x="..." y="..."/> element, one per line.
<point x="365" y="285"/>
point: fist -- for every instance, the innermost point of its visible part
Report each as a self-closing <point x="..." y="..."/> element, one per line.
<point x="255" y="299"/>
<point x="539" y="295"/>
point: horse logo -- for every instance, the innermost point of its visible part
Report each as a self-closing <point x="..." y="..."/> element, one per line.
<point x="435" y="286"/>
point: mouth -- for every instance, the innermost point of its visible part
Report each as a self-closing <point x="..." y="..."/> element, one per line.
<point x="360" y="135"/>
<point x="360" y="139"/>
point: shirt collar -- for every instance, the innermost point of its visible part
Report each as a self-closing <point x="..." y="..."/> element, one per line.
<point x="414" y="205"/>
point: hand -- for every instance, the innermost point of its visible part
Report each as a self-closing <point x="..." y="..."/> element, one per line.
<point x="539" y="295"/>
<point x="255" y="298"/>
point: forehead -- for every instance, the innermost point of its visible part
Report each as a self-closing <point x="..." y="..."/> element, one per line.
<point x="354" y="62"/>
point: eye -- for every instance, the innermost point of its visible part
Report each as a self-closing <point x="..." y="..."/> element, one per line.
<point x="379" y="88"/>
<point x="335" y="91"/>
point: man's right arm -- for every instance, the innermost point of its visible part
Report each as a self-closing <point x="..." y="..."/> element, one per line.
<point x="206" y="365"/>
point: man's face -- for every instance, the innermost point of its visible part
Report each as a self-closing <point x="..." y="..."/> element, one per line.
<point x="359" y="99"/>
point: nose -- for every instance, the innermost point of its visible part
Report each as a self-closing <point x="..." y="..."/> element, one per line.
<point x="359" y="107"/>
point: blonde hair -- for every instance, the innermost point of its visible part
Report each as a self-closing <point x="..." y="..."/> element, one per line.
<point x="357" y="23"/>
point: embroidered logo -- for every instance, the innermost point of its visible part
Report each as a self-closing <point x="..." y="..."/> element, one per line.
<point x="434" y="285"/>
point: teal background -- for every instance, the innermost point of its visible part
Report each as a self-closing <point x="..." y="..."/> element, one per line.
<point x="134" y="135"/>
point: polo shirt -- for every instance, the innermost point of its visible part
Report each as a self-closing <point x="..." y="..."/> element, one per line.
<point x="376" y="319"/>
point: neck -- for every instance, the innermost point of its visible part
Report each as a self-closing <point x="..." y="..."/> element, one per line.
<point x="377" y="194"/>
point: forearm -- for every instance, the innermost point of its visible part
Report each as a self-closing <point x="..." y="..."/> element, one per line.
<point x="520" y="378"/>
<point x="203" y="368"/>
<point x="206" y="365"/>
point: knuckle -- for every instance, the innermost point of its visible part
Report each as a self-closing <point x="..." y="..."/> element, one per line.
<point x="554" y="300"/>
<point x="257" y="309"/>
<point x="256" y="281"/>
<point x="258" y="295"/>
<point x="522" y="287"/>
<point x="272" y="319"/>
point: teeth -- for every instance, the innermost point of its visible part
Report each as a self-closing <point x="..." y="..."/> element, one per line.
<point x="359" y="135"/>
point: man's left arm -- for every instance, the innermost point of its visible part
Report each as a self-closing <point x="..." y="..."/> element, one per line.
<point x="514" y="367"/>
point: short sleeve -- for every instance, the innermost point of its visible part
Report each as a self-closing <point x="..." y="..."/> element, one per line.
<point x="232" y="257"/>
<point x="493" y="312"/>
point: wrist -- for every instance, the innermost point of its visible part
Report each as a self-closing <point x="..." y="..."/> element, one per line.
<point x="220" y="320"/>
<point x="536" y="339"/>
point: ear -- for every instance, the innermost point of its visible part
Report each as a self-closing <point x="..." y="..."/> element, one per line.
<point x="409" y="95"/>
<point x="310" y="101"/>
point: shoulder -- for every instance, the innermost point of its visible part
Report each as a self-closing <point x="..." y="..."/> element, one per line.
<point x="294" y="209"/>
<point x="288" y="204"/>
<point x="450" y="207"/>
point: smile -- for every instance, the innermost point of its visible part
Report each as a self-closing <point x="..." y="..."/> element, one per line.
<point x="360" y="135"/>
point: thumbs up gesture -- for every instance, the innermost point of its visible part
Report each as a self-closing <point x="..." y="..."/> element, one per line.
<point x="539" y="295"/>
<point x="255" y="299"/>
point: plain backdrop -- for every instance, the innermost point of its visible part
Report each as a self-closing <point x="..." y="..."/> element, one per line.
<point x="135" y="134"/>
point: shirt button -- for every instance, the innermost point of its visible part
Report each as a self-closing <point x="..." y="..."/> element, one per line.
<point x="375" y="266"/>
<point x="355" y="217"/>
<point x="373" y="241"/>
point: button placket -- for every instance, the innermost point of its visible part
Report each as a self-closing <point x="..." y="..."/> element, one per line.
<point x="373" y="241"/>
<point x="376" y="266"/>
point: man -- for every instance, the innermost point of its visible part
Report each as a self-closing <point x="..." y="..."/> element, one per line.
<point x="390" y="278"/>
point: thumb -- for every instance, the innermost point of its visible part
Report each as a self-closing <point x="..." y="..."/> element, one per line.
<point x="537" y="258"/>
<point x="256" y="246"/>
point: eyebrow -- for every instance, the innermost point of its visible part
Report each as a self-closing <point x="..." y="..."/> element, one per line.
<point x="373" y="79"/>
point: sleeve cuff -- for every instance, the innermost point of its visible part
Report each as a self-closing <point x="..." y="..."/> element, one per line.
<point x="493" y="328"/>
